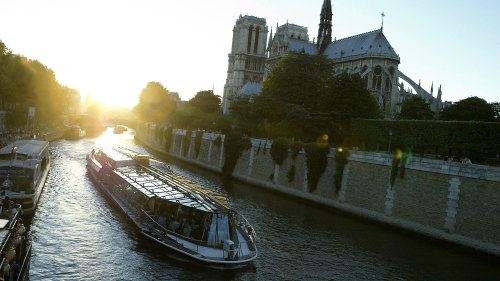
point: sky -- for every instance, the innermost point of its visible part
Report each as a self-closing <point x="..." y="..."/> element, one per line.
<point x="111" y="49"/>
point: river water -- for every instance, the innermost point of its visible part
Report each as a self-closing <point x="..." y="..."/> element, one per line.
<point x="78" y="234"/>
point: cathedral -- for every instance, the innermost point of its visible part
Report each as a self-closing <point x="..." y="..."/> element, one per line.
<point x="369" y="54"/>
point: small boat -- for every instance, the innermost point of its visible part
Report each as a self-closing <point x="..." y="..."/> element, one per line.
<point x="74" y="133"/>
<point x="119" y="129"/>
<point x="172" y="210"/>
<point x="24" y="166"/>
<point x="15" y="248"/>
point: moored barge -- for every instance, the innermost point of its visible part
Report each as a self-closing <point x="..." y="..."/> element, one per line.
<point x="24" y="166"/>
<point x="172" y="210"/>
<point x="15" y="247"/>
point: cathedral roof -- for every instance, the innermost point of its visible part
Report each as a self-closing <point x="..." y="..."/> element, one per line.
<point x="369" y="43"/>
<point x="250" y="88"/>
<point x="298" y="46"/>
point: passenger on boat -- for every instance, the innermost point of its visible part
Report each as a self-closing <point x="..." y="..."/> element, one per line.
<point x="5" y="202"/>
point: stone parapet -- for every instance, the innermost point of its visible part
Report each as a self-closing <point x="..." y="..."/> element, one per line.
<point x="455" y="202"/>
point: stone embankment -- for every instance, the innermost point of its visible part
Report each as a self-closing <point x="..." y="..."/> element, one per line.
<point x="454" y="202"/>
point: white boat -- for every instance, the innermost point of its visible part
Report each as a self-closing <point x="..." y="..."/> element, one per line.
<point x="24" y="166"/>
<point x="119" y="129"/>
<point x="74" y="133"/>
<point x="172" y="210"/>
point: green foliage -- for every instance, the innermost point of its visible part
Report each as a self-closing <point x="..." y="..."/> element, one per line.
<point x="340" y="162"/>
<point x="469" y="109"/>
<point x="415" y="109"/>
<point x="406" y="158"/>
<point x="197" y="142"/>
<point x="187" y="141"/>
<point x="296" y="147"/>
<point x="299" y="79"/>
<point x="303" y="98"/>
<point x="316" y="158"/>
<point x="395" y="167"/>
<point x="202" y="112"/>
<point x="218" y="141"/>
<point x="291" y="174"/>
<point x="234" y="144"/>
<point x="206" y="102"/>
<point x="279" y="150"/>
<point x="155" y="103"/>
<point x="348" y="98"/>
<point x="478" y="139"/>
<point x="168" y="139"/>
<point x="28" y="83"/>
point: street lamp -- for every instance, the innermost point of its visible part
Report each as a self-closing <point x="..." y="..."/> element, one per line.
<point x="390" y="137"/>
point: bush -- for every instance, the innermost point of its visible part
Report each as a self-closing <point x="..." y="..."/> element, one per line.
<point x="478" y="140"/>
<point x="279" y="150"/>
<point x="168" y="139"/>
<point x="296" y="147"/>
<point x="291" y="174"/>
<point x="218" y="141"/>
<point x="234" y="144"/>
<point x="316" y="156"/>
<point x="187" y="141"/>
<point x="197" y="142"/>
<point x="340" y="162"/>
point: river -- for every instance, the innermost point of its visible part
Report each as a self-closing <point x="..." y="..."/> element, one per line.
<point x="78" y="234"/>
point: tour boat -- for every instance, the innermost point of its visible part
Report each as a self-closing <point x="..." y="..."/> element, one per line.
<point x="74" y="133"/>
<point x="15" y="246"/>
<point x="24" y="166"/>
<point x="172" y="210"/>
<point x="119" y="129"/>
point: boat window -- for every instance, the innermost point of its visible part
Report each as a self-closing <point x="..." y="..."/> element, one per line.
<point x="6" y="156"/>
<point x="22" y="156"/>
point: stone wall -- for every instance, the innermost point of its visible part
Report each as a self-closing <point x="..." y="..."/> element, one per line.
<point x="455" y="202"/>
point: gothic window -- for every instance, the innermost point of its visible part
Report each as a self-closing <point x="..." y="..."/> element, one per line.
<point x="377" y="78"/>
<point x="256" y="43"/>
<point x="249" y="41"/>
<point x="298" y="37"/>
<point x="388" y="84"/>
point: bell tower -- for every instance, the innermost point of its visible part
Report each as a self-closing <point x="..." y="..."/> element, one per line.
<point x="247" y="58"/>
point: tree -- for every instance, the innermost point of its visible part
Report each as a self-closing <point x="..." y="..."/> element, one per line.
<point x="155" y="103"/>
<point x="469" y="109"/>
<point x="300" y="79"/>
<point x="303" y="98"/>
<point x="348" y="98"/>
<point x="415" y="108"/>
<point x="206" y="102"/>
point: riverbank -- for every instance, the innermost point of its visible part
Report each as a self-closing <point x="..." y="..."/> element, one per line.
<point x="453" y="202"/>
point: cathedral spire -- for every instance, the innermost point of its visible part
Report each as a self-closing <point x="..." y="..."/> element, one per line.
<point x="325" y="26"/>
<point x="270" y="40"/>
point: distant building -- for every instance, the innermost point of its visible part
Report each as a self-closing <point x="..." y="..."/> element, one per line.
<point x="175" y="97"/>
<point x="369" y="54"/>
